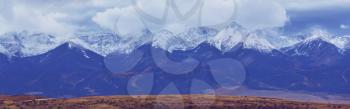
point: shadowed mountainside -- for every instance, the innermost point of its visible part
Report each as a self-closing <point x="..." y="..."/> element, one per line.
<point x="73" y="71"/>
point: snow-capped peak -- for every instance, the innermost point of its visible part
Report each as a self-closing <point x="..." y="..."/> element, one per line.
<point x="257" y="42"/>
<point x="319" y="40"/>
<point x="230" y="37"/>
<point x="182" y="41"/>
<point x="27" y="44"/>
<point x="341" y="42"/>
<point x="101" y="43"/>
<point x="318" y="34"/>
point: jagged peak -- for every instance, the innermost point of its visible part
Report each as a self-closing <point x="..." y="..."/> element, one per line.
<point x="182" y="41"/>
<point x="228" y="38"/>
<point x="317" y="34"/>
<point x="318" y="39"/>
<point x="72" y="48"/>
<point x="307" y="48"/>
<point x="254" y="41"/>
<point x="72" y="45"/>
<point x="341" y="42"/>
<point x="314" y="44"/>
<point x="28" y="44"/>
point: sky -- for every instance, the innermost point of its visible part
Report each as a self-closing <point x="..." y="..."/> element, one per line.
<point x="60" y="17"/>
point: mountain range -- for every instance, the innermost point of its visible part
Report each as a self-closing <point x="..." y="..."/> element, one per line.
<point x="40" y="64"/>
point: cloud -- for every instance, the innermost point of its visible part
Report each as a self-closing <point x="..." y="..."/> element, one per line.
<point x="312" y="4"/>
<point x="177" y="16"/>
<point x="18" y="16"/>
<point x="343" y="26"/>
<point x="58" y="17"/>
<point x="261" y="14"/>
<point x="109" y="3"/>
<point x="30" y="20"/>
<point x="121" y="20"/>
<point x="70" y="16"/>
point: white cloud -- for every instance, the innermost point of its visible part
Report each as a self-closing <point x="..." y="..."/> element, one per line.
<point x="110" y="3"/>
<point x="108" y="18"/>
<point x="67" y="16"/>
<point x="18" y="16"/>
<point x="58" y="17"/>
<point x="261" y="14"/>
<point x="31" y="20"/>
<point x="258" y="14"/>
<point x="121" y="20"/>
<point x="343" y="26"/>
<point x="313" y="4"/>
<point x="218" y="11"/>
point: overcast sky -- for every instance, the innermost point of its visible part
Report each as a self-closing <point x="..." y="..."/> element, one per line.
<point x="71" y="16"/>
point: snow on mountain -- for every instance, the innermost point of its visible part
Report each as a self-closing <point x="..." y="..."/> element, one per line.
<point x="316" y="40"/>
<point x="167" y="40"/>
<point x="340" y="41"/>
<point x="26" y="44"/>
<point x="257" y="42"/>
<point x="182" y="41"/>
<point x="308" y="48"/>
<point x="106" y="43"/>
<point x="102" y="43"/>
<point x="230" y="37"/>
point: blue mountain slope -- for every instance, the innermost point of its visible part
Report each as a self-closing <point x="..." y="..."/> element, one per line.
<point x="68" y="70"/>
<point x="3" y="60"/>
<point x="71" y="70"/>
<point x="322" y="66"/>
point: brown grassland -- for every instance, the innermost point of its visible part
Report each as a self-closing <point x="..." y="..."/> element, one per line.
<point x="159" y="102"/>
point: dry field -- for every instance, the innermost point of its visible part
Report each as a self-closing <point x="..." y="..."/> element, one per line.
<point x="159" y="102"/>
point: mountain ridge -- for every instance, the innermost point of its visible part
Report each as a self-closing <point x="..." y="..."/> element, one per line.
<point x="26" y="44"/>
<point x="72" y="70"/>
<point x="267" y="49"/>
